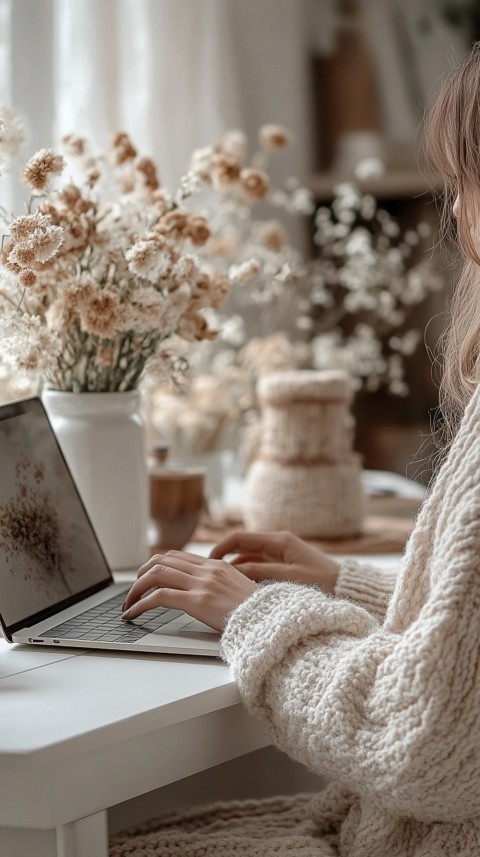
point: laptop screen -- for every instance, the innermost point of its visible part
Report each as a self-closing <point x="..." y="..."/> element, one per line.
<point x="49" y="554"/>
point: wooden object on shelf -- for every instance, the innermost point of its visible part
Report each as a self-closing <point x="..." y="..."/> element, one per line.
<point x="402" y="184"/>
<point x="345" y="85"/>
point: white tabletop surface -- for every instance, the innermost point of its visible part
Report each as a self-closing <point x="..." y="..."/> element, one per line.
<point x="82" y="730"/>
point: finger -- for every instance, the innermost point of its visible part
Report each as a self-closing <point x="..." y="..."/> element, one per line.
<point x="164" y="559"/>
<point x="247" y="557"/>
<point x="177" y="599"/>
<point x="241" y="542"/>
<point x="156" y="578"/>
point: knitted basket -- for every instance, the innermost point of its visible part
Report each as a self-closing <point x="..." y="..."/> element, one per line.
<point x="306" y="478"/>
<point x="312" y="501"/>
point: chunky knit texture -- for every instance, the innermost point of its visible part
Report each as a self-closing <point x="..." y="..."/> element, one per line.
<point x="306" y="477"/>
<point x="381" y="695"/>
<point x="279" y="826"/>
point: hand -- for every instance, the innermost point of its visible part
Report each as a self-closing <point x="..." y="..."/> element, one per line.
<point x="206" y="589"/>
<point x="278" y="556"/>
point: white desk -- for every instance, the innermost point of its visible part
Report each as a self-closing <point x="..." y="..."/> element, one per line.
<point x="83" y="731"/>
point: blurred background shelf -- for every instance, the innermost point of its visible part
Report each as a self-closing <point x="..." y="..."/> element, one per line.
<point x="400" y="184"/>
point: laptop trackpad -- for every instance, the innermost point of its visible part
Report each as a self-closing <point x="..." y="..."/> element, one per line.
<point x="198" y="627"/>
<point x="186" y="628"/>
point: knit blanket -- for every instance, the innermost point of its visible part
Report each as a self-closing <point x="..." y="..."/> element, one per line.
<point x="277" y="826"/>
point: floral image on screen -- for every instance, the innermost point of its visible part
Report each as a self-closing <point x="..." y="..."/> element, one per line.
<point x="48" y="551"/>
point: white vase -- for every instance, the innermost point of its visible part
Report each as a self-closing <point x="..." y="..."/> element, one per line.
<point x="102" y="437"/>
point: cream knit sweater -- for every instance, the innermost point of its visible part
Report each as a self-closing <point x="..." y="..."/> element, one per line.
<point x="379" y="693"/>
<point x="388" y="708"/>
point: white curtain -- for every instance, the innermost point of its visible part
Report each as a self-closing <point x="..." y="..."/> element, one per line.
<point x="174" y="74"/>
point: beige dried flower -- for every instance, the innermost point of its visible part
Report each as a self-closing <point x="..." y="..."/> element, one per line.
<point x="27" y="278"/>
<point x="173" y="224"/>
<point x="26" y="225"/>
<point x="254" y="183"/>
<point x="81" y="289"/>
<point x="219" y="288"/>
<point x="5" y="258"/>
<point x="197" y="230"/>
<point x="42" y="243"/>
<point x="274" y="137"/>
<point x="42" y="346"/>
<point x="226" y="169"/>
<point x="29" y="361"/>
<point x="200" y="291"/>
<point x="273" y="235"/>
<point x="123" y="150"/>
<point x="160" y="201"/>
<point x="61" y="314"/>
<point x="185" y="270"/>
<point x="146" y="260"/>
<point x="73" y="145"/>
<point x="12" y="131"/>
<point x="92" y="176"/>
<point x="210" y="290"/>
<point x="78" y="231"/>
<point x="235" y="143"/>
<point x="108" y="274"/>
<point x="147" y="310"/>
<point x="22" y="254"/>
<point x="194" y="327"/>
<point x="41" y="169"/>
<point x="201" y="163"/>
<point x="47" y="245"/>
<point x="147" y="168"/>
<point x="102" y="315"/>
<point x="72" y="198"/>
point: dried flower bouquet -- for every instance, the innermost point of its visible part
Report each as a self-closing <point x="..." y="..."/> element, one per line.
<point x="102" y="273"/>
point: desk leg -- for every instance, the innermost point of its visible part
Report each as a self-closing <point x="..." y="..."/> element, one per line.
<point x="84" y="838"/>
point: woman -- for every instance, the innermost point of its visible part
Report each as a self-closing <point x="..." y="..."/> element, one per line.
<point x="380" y="692"/>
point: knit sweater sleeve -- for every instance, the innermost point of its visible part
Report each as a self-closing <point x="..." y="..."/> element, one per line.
<point x="366" y="585"/>
<point x="392" y="716"/>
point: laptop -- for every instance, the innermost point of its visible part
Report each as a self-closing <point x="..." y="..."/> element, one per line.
<point x="55" y="584"/>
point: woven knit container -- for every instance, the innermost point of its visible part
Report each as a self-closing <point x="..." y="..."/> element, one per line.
<point x="306" y="478"/>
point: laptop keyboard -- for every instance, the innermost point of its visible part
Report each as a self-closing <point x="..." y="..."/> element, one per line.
<point x="104" y="622"/>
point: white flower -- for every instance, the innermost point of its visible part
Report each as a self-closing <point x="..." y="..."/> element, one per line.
<point x="244" y="272"/>
<point x="27" y="345"/>
<point x="235" y="142"/>
<point x="369" y="168"/>
<point x="202" y="160"/>
<point x="38" y="239"/>
<point x="233" y="331"/>
<point x="274" y="137"/>
<point x="359" y="242"/>
<point x="12" y="131"/>
<point x="146" y="260"/>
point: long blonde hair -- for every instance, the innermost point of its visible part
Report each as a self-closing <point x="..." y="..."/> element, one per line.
<point x="452" y="138"/>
